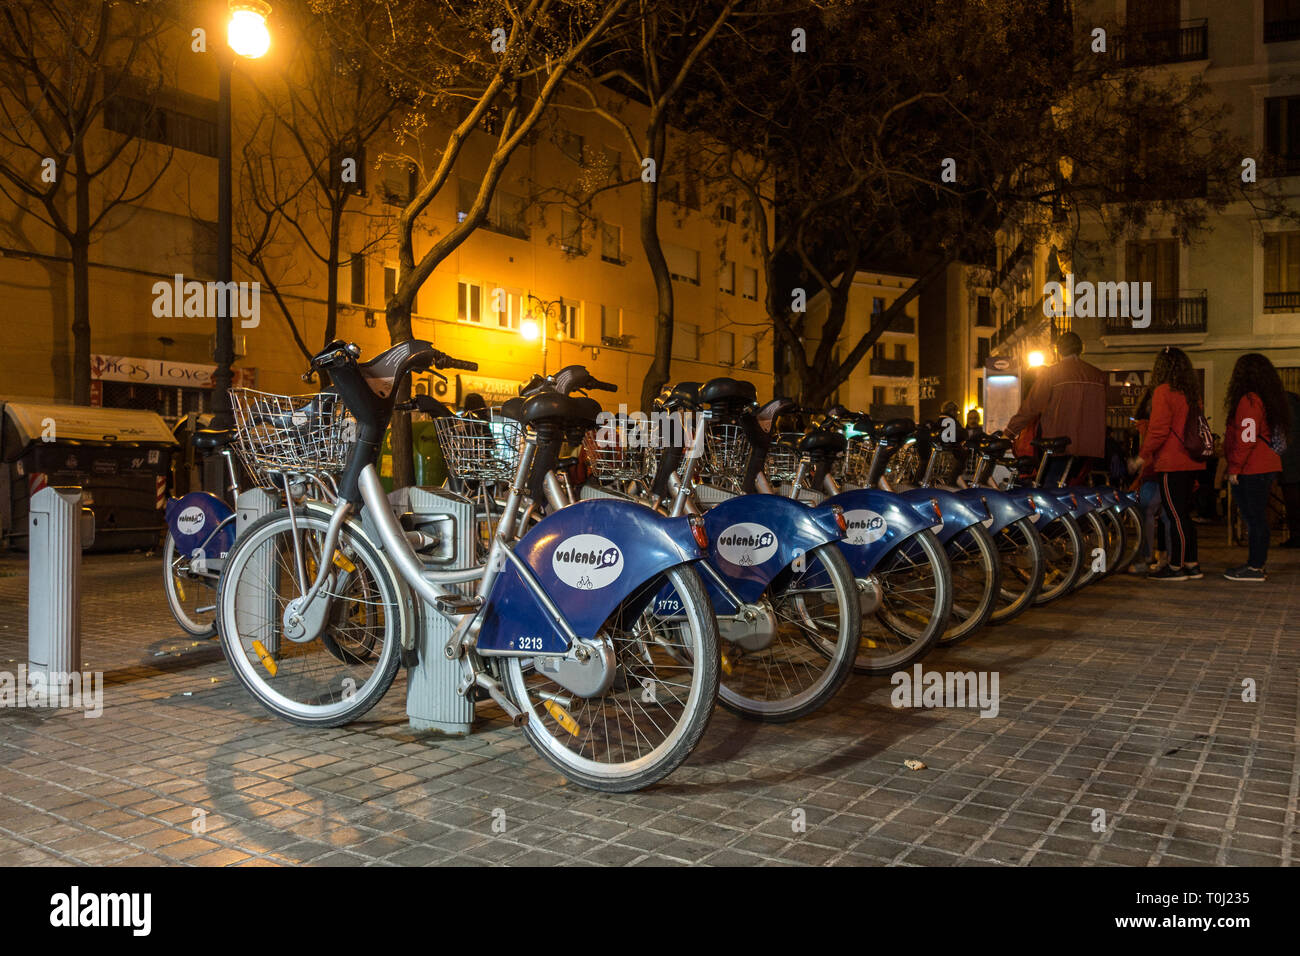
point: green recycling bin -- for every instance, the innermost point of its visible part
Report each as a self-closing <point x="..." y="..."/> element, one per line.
<point x="430" y="468"/>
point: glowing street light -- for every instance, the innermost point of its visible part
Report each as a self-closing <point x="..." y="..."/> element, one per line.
<point x="530" y="330"/>
<point x="247" y="33"/>
<point x="1036" y="359"/>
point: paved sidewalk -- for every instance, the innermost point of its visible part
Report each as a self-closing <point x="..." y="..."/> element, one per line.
<point x="1125" y="700"/>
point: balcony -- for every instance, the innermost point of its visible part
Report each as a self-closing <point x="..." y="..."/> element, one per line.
<point x="1010" y="262"/>
<point x="883" y="413"/>
<point x="1182" y="314"/>
<point x="1172" y="43"/>
<point x="892" y="368"/>
<point x="904" y="324"/>
<point x="1281" y="31"/>
<point x="1282" y="301"/>
<point x="1138" y="188"/>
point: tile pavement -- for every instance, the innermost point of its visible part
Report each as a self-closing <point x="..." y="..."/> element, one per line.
<point x="1126" y="699"/>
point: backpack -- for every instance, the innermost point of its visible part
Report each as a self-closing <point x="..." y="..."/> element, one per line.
<point x="1198" y="440"/>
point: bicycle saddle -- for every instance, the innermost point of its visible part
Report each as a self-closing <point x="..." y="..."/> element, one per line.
<point x="683" y="394"/>
<point x="822" y="442"/>
<point x="895" y="428"/>
<point x="1051" y="444"/>
<point x="209" y="439"/>
<point x="552" y="406"/>
<point x="993" y="446"/>
<point x="724" y="390"/>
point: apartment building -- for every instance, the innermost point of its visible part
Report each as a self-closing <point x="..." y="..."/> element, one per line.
<point x="535" y="289"/>
<point x="956" y="309"/>
<point x="885" y="384"/>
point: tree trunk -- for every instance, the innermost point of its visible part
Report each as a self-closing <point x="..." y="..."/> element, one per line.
<point x="661" y="365"/>
<point x="80" y="243"/>
<point x="332" y="282"/>
<point x="399" y="330"/>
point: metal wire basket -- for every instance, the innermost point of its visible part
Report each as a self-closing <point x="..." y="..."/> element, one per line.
<point x="782" y="463"/>
<point x="854" y="465"/>
<point x="726" y="451"/>
<point x="904" y="465"/>
<point x="291" y="434"/>
<point x="618" y="453"/>
<point x="480" y="449"/>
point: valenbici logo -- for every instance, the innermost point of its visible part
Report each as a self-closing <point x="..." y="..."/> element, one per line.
<point x="747" y="544"/>
<point x="191" y="520"/>
<point x="587" y="561"/>
<point x="864" y="526"/>
<point x="76" y="909"/>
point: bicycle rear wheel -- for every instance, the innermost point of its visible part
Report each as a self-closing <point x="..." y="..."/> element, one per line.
<point x="973" y="558"/>
<point x="1130" y="518"/>
<point x="1062" y="557"/>
<point x="658" y="707"/>
<point x="1020" y="557"/>
<point x="348" y="656"/>
<point x="1095" y="550"/>
<point x="915" y="603"/>
<point x="191" y="597"/>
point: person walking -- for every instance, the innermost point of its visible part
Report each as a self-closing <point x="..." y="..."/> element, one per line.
<point x="1155" y="526"/>
<point x="1174" y="399"/>
<point x="1290" y="479"/>
<point x="1068" y="399"/>
<point x="1258" y="421"/>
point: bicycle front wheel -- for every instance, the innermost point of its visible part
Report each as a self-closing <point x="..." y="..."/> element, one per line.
<point x="801" y="648"/>
<point x="973" y="558"/>
<point x="1020" y="555"/>
<point x="1062" y="557"/>
<point x="657" y="708"/>
<point x="343" y="659"/>
<point x="1130" y="520"/>
<point x="191" y="597"/>
<point x="915" y="589"/>
<point x="1095" y="550"/>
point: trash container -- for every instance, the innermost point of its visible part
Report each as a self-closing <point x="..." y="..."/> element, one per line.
<point x="430" y="468"/>
<point x="119" y="457"/>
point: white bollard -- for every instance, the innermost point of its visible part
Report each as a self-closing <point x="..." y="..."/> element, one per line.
<point x="54" y="582"/>
<point x="257" y="616"/>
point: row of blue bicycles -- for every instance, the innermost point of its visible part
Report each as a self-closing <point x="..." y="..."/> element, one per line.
<point x="629" y="571"/>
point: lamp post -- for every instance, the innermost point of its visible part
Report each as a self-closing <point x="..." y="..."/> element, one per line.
<point x="246" y="36"/>
<point x="531" y="328"/>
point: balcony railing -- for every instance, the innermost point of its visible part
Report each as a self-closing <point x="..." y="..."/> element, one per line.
<point x="882" y="413"/>
<point x="1184" y="313"/>
<point x="1174" y="43"/>
<point x="1282" y="301"/>
<point x="1137" y="188"/>
<point x="1009" y="263"/>
<point x="901" y="323"/>
<point x="892" y="368"/>
<point x="1280" y="31"/>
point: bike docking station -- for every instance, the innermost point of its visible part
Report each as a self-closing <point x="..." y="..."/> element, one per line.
<point x="59" y="528"/>
<point x="442" y="526"/>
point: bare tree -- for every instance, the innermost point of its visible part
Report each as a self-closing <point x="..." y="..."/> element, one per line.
<point x="67" y="66"/>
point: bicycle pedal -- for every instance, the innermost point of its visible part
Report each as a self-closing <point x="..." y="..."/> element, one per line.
<point x="454" y="604"/>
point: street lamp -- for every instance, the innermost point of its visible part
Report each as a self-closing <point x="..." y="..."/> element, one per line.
<point x="536" y="325"/>
<point x="246" y="36"/>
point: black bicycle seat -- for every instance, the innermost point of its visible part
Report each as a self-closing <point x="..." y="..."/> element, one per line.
<point x="683" y="394"/>
<point x="1051" y="444"/>
<point x="822" y="442"/>
<point x="210" y="439"/>
<point x="994" y="446"/>
<point x="513" y="408"/>
<point x="554" y="407"/>
<point x="897" y="428"/>
<point x="726" y="390"/>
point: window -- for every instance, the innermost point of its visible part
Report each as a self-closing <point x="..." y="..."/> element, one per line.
<point x="611" y="243"/>
<point x="683" y="263"/>
<point x="1281" y="20"/>
<point x="686" y="340"/>
<point x="900" y="353"/>
<point x="727" y="282"/>
<point x="900" y="395"/>
<point x="571" y="319"/>
<point x="749" y="284"/>
<point x="682" y="191"/>
<point x="981" y="354"/>
<point x="469" y="301"/>
<point x="173" y="118"/>
<point x="726" y="348"/>
<point x="571" y="233"/>
<point x="983" y="312"/>
<point x="877" y="305"/>
<point x="466" y="190"/>
<point x="612" y="161"/>
<point x="748" y="352"/>
<point x="571" y="146"/>
<point x="727" y="211"/>
<point x="1154" y="261"/>
<point x="357" y="275"/>
<point x="399" y="187"/>
<point x="877" y="395"/>
<point x="878" y="350"/>
<point x="507" y="215"/>
<point x="506" y="307"/>
<point x="611" y="324"/>
<point x="1282" y="133"/>
<point x="979" y="391"/>
<point x="1282" y="272"/>
<point x="390" y="288"/>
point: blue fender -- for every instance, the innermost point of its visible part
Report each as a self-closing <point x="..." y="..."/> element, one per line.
<point x="588" y="558"/>
<point x="1047" y="507"/>
<point x="193" y="518"/>
<point x="1074" y="503"/>
<point x="753" y="537"/>
<point x="958" y="513"/>
<point x="1004" y="508"/>
<point x="878" y="522"/>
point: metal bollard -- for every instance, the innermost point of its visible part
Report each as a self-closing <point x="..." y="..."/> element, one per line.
<point x="258" y="618"/>
<point x="56" y="524"/>
<point x="431" y="699"/>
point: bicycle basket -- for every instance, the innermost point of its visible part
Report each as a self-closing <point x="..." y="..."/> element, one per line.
<point x="726" y="450"/>
<point x="480" y="449"/>
<point x="618" y="453"/>
<point x="782" y="462"/>
<point x="853" y="466"/>
<point x="295" y="434"/>
<point x="904" y="465"/>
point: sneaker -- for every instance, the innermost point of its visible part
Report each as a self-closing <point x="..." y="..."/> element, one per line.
<point x="1193" y="571"/>
<point x="1167" y="573"/>
<point x="1245" y="573"/>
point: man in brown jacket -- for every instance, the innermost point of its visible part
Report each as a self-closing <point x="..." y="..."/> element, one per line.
<point x="1069" y="399"/>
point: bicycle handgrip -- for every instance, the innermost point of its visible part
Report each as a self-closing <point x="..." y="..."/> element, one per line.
<point x="602" y="386"/>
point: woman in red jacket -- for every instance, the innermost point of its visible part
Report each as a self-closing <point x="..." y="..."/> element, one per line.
<point x="1257" y="412"/>
<point x="1175" y="395"/>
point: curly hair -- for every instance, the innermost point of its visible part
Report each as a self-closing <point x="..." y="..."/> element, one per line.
<point x="1174" y="368"/>
<point x="1255" y="373"/>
